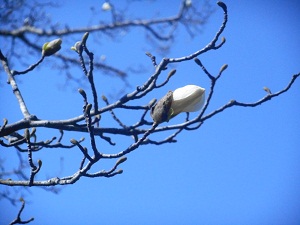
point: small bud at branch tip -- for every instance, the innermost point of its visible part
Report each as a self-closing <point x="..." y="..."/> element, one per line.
<point x="88" y="108"/>
<point x="50" y="48"/>
<point x="121" y="160"/>
<point x="172" y="72"/>
<point x="73" y="141"/>
<point x="224" y="67"/>
<point x="222" y="5"/>
<point x="267" y="90"/>
<point x="82" y="92"/>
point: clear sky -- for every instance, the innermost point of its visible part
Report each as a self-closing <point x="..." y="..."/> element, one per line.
<point x="241" y="167"/>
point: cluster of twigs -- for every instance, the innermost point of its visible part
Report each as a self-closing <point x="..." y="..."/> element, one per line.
<point x="90" y="120"/>
<point x="91" y="116"/>
<point x="161" y="30"/>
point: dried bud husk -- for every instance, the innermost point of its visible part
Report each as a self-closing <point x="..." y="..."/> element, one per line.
<point x="162" y="109"/>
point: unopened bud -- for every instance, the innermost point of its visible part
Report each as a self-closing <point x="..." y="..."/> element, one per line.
<point x="33" y="131"/>
<point x="88" y="108"/>
<point x="267" y="90"/>
<point x="77" y="47"/>
<point x="172" y="72"/>
<point x="73" y="141"/>
<point x="50" y="48"/>
<point x="82" y="92"/>
<point x="119" y="171"/>
<point x="40" y="162"/>
<point x="85" y="37"/>
<point x="27" y="135"/>
<point x="224" y="67"/>
<point x="121" y="160"/>
<point x="223" y="40"/>
<point x="106" y="6"/>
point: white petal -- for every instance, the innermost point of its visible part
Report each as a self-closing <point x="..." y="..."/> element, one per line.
<point x="189" y="98"/>
<point x="106" y="6"/>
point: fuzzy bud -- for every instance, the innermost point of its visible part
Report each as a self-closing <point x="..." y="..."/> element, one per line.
<point x="224" y="67"/>
<point x="121" y="160"/>
<point x="73" y="141"/>
<point x="82" y="92"/>
<point x="50" y="48"/>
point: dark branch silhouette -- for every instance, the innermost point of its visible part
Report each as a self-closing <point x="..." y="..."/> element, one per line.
<point x="21" y="135"/>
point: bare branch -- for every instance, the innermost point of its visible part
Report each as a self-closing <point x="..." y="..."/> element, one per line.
<point x="18" y="220"/>
<point x="89" y="121"/>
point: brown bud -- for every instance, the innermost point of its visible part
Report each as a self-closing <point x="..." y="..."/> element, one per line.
<point x="267" y="90"/>
<point x="82" y="92"/>
<point x="121" y="160"/>
<point x="73" y="141"/>
<point x="224" y="67"/>
<point x="161" y="111"/>
<point x="88" y="108"/>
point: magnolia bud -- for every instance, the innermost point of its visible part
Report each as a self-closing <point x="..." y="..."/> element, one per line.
<point x="88" y="108"/>
<point x="188" y="3"/>
<point x="77" y="47"/>
<point x="172" y="72"/>
<point x="267" y="90"/>
<point x="104" y="98"/>
<point x="121" y="160"/>
<point x="40" y="162"/>
<point x="106" y="6"/>
<point x="224" y="67"/>
<point x="189" y="98"/>
<point x="85" y="37"/>
<point x="50" y="48"/>
<point x="73" y="141"/>
<point x="27" y="135"/>
<point x="82" y="92"/>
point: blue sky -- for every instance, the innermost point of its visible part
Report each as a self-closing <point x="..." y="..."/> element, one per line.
<point x="241" y="167"/>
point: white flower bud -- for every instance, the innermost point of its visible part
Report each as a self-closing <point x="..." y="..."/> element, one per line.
<point x="188" y="3"/>
<point x="189" y="98"/>
<point x="106" y="6"/>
